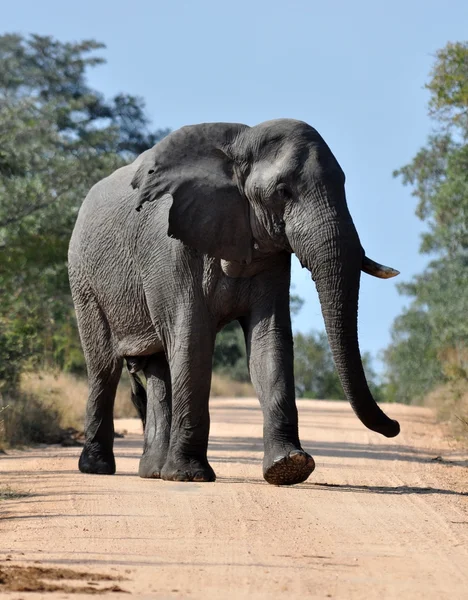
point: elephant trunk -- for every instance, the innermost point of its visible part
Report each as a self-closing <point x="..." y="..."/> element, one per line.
<point x="334" y="256"/>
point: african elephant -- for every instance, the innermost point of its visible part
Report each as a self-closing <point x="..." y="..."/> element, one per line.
<point x="195" y="233"/>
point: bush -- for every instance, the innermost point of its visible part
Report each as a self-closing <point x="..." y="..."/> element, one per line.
<point x="47" y="404"/>
<point x="27" y="420"/>
<point x="450" y="402"/>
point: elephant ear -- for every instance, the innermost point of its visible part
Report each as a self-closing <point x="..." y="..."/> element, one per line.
<point x="209" y="211"/>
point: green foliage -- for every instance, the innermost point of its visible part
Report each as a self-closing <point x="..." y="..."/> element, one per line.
<point x="430" y="340"/>
<point x="314" y="370"/>
<point x="58" y="137"/>
<point x="449" y="86"/>
<point x="295" y="304"/>
<point x="11" y="359"/>
<point x="230" y="356"/>
<point x="315" y="373"/>
<point x="414" y="368"/>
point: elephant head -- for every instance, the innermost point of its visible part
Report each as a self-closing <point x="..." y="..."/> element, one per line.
<point x="239" y="192"/>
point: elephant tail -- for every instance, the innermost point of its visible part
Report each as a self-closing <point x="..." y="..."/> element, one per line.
<point x="138" y="397"/>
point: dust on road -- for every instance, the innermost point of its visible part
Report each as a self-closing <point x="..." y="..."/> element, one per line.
<point x="379" y="518"/>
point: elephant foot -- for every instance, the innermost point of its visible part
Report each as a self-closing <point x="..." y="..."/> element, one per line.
<point x="293" y="468"/>
<point x="97" y="462"/>
<point x="151" y="466"/>
<point x="192" y="470"/>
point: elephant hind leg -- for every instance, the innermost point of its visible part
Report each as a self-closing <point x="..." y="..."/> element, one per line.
<point x="104" y="370"/>
<point x="139" y="396"/>
<point x="158" y="417"/>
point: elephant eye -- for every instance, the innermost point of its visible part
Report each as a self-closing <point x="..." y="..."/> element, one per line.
<point x="283" y="191"/>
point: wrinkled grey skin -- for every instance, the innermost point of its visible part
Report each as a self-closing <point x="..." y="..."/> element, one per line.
<point x="197" y="232"/>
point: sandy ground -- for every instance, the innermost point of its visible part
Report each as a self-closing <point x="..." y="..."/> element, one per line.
<point x="378" y="518"/>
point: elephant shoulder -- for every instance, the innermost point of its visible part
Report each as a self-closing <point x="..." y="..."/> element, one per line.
<point x="139" y="167"/>
<point x="117" y="186"/>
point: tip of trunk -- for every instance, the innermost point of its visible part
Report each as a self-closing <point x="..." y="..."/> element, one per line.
<point x="389" y="429"/>
<point x="372" y="416"/>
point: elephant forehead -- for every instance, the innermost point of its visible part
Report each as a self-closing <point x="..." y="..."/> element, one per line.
<point x="286" y="128"/>
<point x="285" y="161"/>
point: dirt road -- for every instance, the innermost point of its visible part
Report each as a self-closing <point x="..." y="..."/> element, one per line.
<point x="378" y="518"/>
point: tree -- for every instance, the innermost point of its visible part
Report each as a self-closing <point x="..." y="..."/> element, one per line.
<point x="57" y="138"/>
<point x="230" y="356"/>
<point x="430" y="340"/>
<point x="314" y="370"/>
<point x="315" y="373"/>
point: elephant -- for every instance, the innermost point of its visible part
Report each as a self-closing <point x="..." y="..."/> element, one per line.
<point x="197" y="232"/>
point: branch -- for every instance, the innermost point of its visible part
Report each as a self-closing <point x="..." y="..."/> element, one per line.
<point x="33" y="209"/>
<point x="25" y="214"/>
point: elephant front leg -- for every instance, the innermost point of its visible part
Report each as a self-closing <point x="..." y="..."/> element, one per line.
<point x="158" y="417"/>
<point x="190" y="368"/>
<point x="270" y="352"/>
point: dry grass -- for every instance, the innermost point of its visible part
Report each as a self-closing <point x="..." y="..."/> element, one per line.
<point x="68" y="394"/>
<point x="6" y="493"/>
<point x="17" y="578"/>
<point x="228" y="388"/>
<point x="65" y="396"/>
<point x="51" y="402"/>
<point x="49" y="407"/>
<point x="451" y="404"/>
<point x="26" y="419"/>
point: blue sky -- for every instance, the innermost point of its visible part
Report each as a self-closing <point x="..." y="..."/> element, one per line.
<point x="354" y="70"/>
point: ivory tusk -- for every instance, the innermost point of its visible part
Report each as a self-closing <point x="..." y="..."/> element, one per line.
<point x="377" y="270"/>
